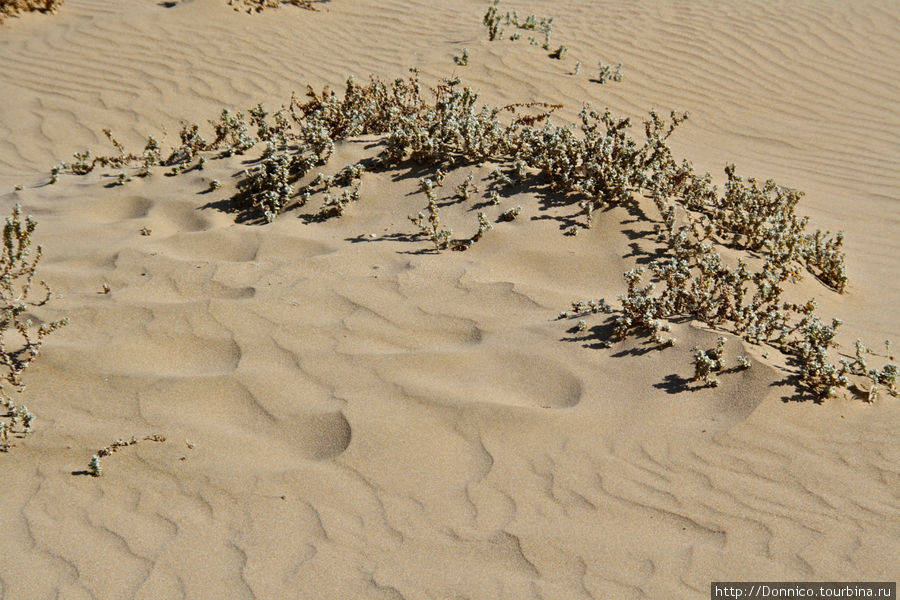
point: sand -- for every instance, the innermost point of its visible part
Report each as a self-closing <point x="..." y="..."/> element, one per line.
<point x="348" y="417"/>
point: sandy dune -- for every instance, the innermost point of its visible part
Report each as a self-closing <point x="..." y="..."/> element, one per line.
<point x="347" y="416"/>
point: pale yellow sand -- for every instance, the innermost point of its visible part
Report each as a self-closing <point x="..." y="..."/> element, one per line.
<point x="368" y="422"/>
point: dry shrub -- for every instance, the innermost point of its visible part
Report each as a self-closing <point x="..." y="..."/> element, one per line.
<point x="260" y="5"/>
<point x="9" y="8"/>
<point x="592" y="166"/>
<point x="20" y="337"/>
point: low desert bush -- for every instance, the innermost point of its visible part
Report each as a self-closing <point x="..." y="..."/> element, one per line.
<point x="20" y="337"/>
<point x="260" y="5"/>
<point x="9" y="8"/>
<point x="594" y="165"/>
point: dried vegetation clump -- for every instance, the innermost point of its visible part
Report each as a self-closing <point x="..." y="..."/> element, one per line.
<point x="21" y="337"/>
<point x="251" y="6"/>
<point x="498" y="24"/>
<point x="9" y="8"/>
<point x="95" y="469"/>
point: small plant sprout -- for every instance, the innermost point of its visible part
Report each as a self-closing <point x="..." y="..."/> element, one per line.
<point x="483" y="227"/>
<point x="94" y="467"/>
<point x="582" y="325"/>
<point x="707" y="362"/>
<point x="743" y="362"/>
<point x="577" y="68"/>
<point x="546" y="28"/>
<point x="56" y="170"/>
<point x="511" y="214"/>
<point x="334" y="205"/>
<point x="462" y="190"/>
<point x="122" y="178"/>
<point x="495" y="198"/>
<point x="606" y="73"/>
<point x="105" y="289"/>
<point x="559" y="53"/>
<point x="462" y="60"/>
<point x="492" y="21"/>
<point x="27" y="418"/>
<point x="146" y="231"/>
<point x="887" y="349"/>
<point x="872" y="394"/>
<point x="430" y="225"/>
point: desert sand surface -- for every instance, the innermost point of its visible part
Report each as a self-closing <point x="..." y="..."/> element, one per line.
<point x="349" y="415"/>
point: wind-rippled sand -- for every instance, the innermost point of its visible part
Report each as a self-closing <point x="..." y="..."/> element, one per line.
<point x="346" y="417"/>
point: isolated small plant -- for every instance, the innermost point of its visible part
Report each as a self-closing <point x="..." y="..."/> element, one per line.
<point x="510" y="214"/>
<point x="462" y="190"/>
<point x="429" y="223"/>
<point x="334" y="205"/>
<point x="709" y="362"/>
<point x="462" y="60"/>
<point x="547" y="28"/>
<point x="483" y="227"/>
<point x="559" y="53"/>
<point x="606" y="73"/>
<point x="492" y="21"/>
